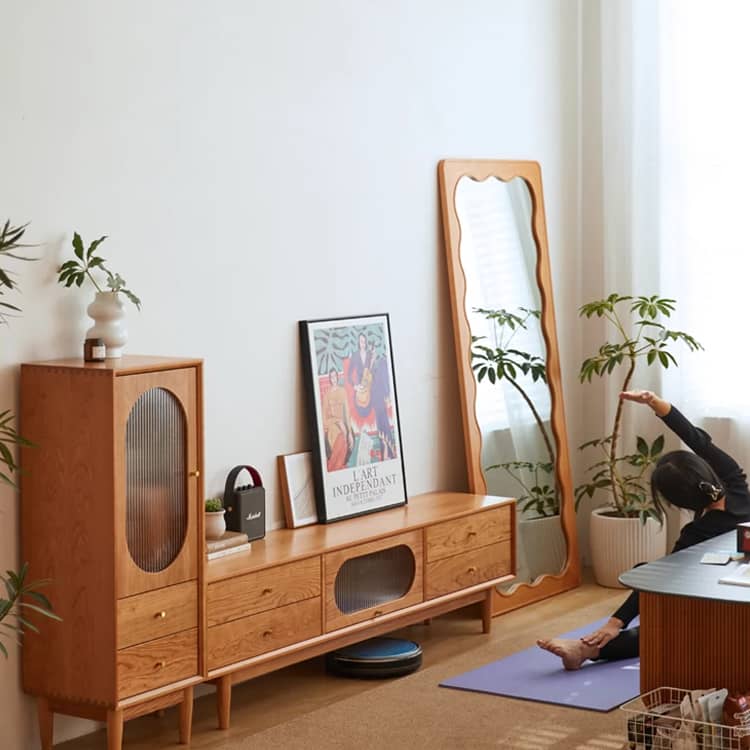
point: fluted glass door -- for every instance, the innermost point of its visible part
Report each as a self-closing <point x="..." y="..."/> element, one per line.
<point x="156" y="471"/>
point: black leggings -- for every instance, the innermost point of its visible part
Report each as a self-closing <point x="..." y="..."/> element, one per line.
<point x="624" y="646"/>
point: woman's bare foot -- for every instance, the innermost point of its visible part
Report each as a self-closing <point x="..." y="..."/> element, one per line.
<point x="572" y="652"/>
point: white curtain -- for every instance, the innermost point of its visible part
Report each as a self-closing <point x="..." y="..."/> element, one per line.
<point x="675" y="152"/>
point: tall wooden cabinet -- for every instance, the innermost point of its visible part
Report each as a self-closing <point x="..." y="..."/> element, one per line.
<point x="112" y="512"/>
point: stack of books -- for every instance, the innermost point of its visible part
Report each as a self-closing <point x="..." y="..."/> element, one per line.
<point x="227" y="544"/>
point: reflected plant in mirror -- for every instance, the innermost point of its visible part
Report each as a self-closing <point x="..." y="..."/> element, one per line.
<point x="621" y="475"/>
<point x="502" y="362"/>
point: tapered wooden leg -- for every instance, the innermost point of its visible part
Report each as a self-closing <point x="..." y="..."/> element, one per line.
<point x="114" y="729"/>
<point x="224" y="700"/>
<point x="46" y="722"/>
<point x="487" y="612"/>
<point x="186" y="716"/>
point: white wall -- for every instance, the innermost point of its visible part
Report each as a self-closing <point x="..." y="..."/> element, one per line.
<point x="257" y="163"/>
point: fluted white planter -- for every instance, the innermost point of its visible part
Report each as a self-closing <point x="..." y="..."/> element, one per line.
<point x="108" y="314"/>
<point x="544" y="543"/>
<point x="618" y="544"/>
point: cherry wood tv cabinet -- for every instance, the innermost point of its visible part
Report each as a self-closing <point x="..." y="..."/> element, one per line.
<point x="112" y="513"/>
<point x="303" y="592"/>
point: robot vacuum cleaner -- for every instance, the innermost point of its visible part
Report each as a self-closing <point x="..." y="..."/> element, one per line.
<point x="376" y="658"/>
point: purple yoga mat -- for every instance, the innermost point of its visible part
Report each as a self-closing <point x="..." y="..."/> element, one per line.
<point x="537" y="675"/>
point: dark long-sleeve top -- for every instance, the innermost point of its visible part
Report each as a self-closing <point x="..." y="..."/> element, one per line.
<point x="714" y="522"/>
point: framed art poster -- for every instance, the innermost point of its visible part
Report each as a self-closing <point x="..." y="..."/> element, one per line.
<point x="297" y="491"/>
<point x="351" y="397"/>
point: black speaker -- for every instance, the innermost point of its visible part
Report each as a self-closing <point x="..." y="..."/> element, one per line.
<point x="245" y="505"/>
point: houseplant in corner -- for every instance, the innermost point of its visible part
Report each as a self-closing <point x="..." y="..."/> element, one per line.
<point x="107" y="309"/>
<point x="20" y="596"/>
<point x="630" y="528"/>
<point x="539" y="502"/>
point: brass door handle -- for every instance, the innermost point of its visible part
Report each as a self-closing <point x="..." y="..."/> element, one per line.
<point x="195" y="473"/>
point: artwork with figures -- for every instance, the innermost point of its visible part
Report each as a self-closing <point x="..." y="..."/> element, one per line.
<point x="502" y="312"/>
<point x="357" y="462"/>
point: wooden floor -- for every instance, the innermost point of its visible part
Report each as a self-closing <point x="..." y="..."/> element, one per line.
<point x="297" y="690"/>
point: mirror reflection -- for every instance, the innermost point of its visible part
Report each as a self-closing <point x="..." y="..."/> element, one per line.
<point x="503" y="305"/>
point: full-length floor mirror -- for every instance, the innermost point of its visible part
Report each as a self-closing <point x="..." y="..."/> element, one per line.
<point x="509" y="366"/>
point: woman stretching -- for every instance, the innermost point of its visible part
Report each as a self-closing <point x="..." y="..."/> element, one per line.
<point x="709" y="482"/>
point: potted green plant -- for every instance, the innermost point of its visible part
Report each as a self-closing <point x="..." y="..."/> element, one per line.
<point x="539" y="527"/>
<point x="501" y="363"/>
<point x="107" y="309"/>
<point x="215" y="523"/>
<point x="629" y="528"/>
<point x="21" y="596"/>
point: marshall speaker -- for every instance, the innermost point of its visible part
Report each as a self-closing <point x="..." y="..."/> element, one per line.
<point x="245" y="505"/>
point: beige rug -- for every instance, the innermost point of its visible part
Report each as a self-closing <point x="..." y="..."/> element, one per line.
<point x="414" y="712"/>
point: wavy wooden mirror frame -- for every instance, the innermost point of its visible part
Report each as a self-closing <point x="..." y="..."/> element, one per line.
<point x="450" y="171"/>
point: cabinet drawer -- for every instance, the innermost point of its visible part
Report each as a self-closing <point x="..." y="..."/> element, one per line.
<point x="470" y="532"/>
<point x="467" y="569"/>
<point x="257" y="592"/>
<point x="157" y="613"/>
<point x="157" y="663"/>
<point x="251" y="636"/>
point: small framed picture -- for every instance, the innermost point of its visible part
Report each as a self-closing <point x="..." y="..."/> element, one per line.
<point x="357" y="461"/>
<point x="297" y="489"/>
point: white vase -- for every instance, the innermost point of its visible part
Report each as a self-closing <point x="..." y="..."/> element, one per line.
<point x="108" y="314"/>
<point x="619" y="544"/>
<point x="215" y="524"/>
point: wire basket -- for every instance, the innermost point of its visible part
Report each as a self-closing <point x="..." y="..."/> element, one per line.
<point x="654" y="723"/>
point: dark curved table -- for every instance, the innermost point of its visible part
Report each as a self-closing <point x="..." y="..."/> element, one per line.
<point x="695" y="631"/>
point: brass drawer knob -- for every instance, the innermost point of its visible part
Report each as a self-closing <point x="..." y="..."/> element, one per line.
<point x="266" y="592"/>
<point x="195" y="473"/>
<point x="471" y="534"/>
<point x="161" y="664"/>
<point x="267" y="633"/>
<point x="472" y="570"/>
<point x="377" y="613"/>
<point x="160" y="615"/>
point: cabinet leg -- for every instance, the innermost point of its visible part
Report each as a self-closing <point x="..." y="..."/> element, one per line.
<point x="114" y="729"/>
<point x="46" y="722"/>
<point x="487" y="612"/>
<point x="186" y="716"/>
<point x="224" y="699"/>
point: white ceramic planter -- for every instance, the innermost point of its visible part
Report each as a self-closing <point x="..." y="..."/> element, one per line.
<point x="108" y="314"/>
<point x="543" y="541"/>
<point x="215" y="524"/>
<point x="618" y="544"/>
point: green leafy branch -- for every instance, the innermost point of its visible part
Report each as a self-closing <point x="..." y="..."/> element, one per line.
<point x="14" y="607"/>
<point x="15" y="584"/>
<point x="77" y="271"/>
<point x="10" y="242"/>
<point x="540" y="496"/>
<point x="504" y="363"/>
<point x="651" y="341"/>
<point x="635" y="501"/>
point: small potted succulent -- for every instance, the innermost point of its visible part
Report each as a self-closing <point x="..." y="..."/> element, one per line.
<point x="215" y="523"/>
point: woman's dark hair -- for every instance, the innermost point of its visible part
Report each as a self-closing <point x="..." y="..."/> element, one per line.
<point x="685" y="480"/>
